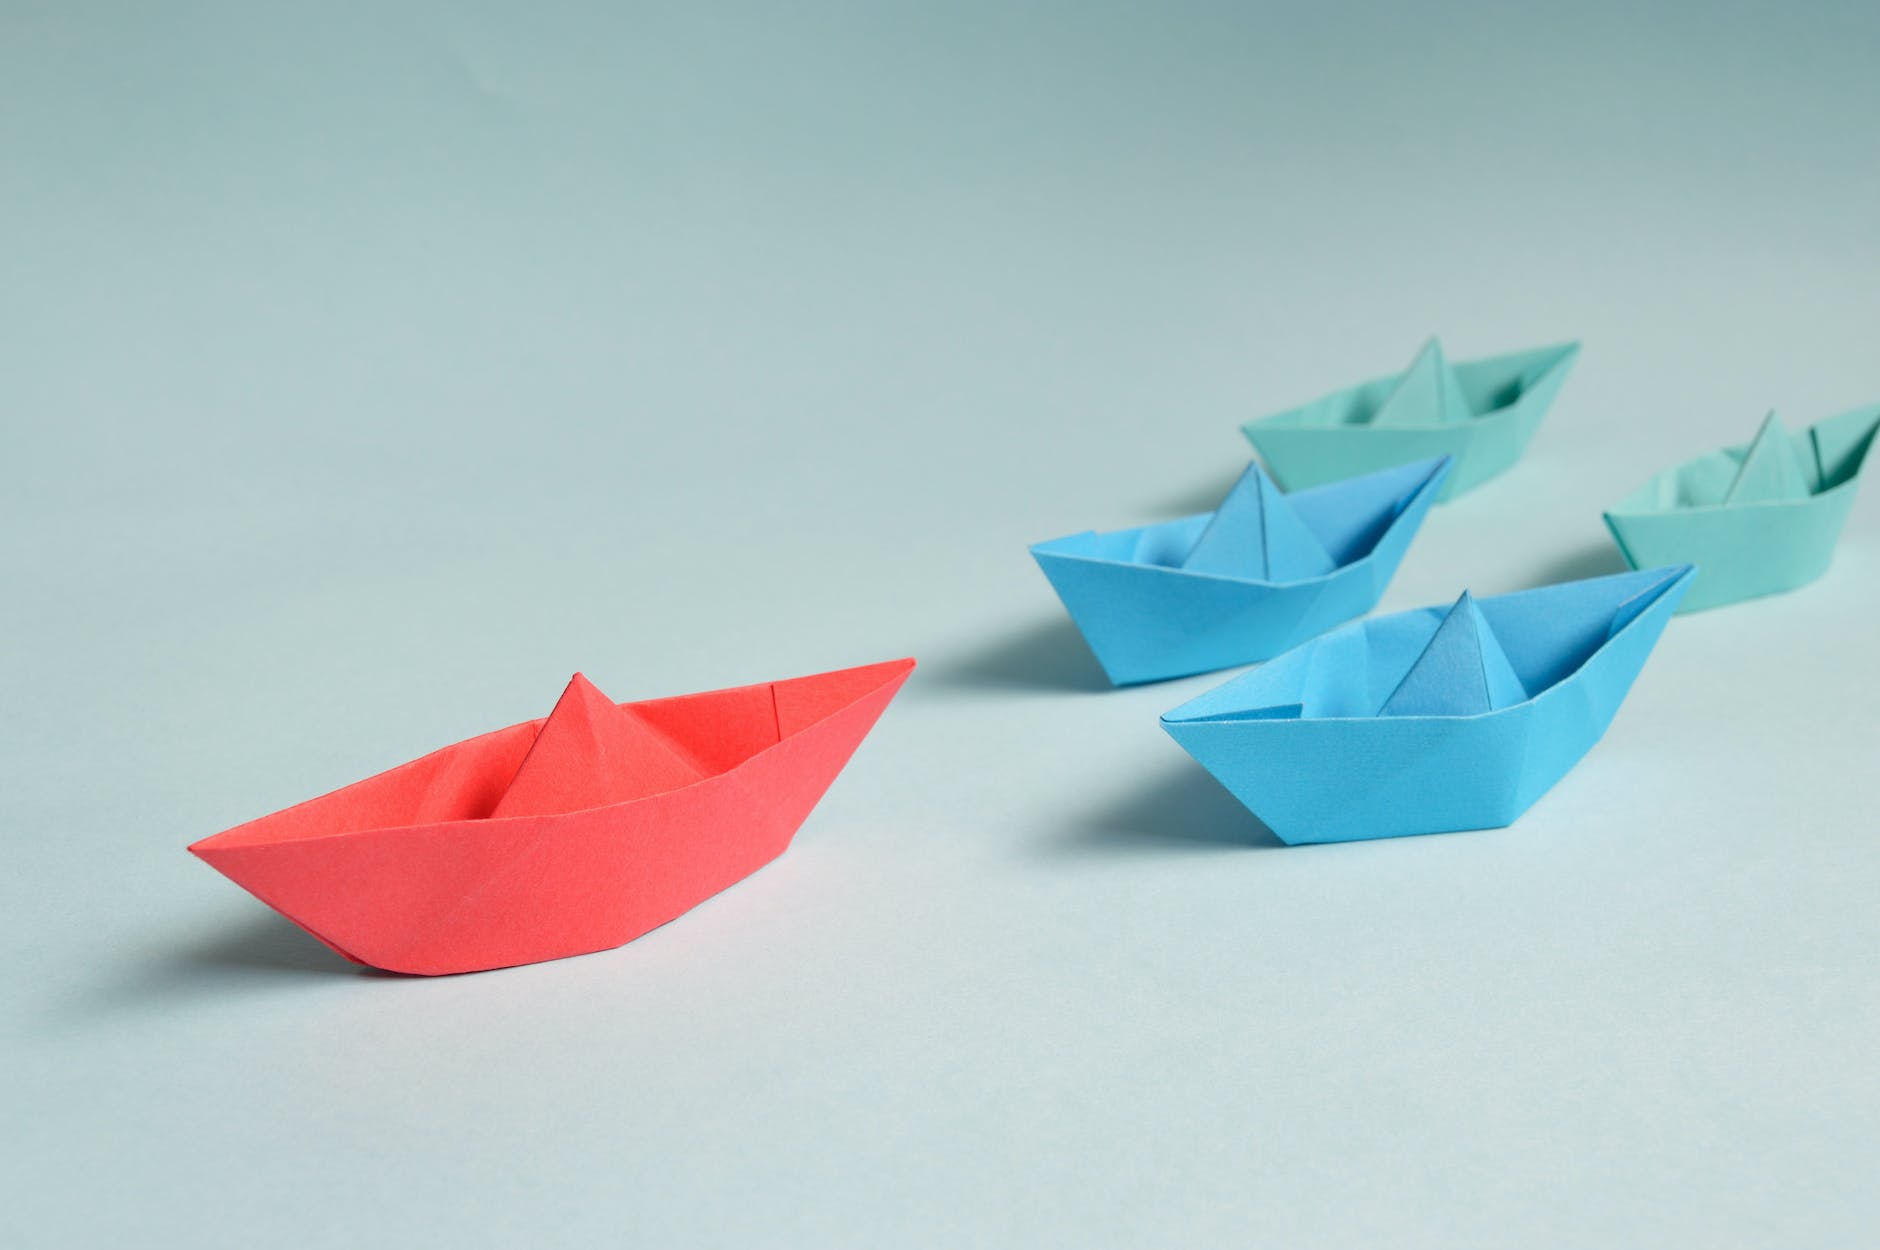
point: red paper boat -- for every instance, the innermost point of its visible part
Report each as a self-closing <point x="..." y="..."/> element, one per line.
<point x="561" y="836"/>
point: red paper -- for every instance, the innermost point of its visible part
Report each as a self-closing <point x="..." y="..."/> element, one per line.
<point x="591" y="753"/>
<point x="561" y="836"/>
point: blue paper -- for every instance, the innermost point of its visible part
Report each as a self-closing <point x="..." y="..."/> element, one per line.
<point x="1433" y="720"/>
<point x="1264" y="572"/>
<point x="1257" y="533"/>
<point x="1463" y="671"/>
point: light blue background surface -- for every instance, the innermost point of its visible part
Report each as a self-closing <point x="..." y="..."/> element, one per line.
<point x="364" y="374"/>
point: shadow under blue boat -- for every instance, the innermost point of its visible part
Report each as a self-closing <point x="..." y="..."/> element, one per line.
<point x="1183" y="809"/>
<point x="1047" y="655"/>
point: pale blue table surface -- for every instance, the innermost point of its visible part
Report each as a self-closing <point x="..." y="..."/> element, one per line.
<point x="365" y="370"/>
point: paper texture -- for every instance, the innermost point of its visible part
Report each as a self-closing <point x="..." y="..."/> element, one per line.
<point x="1462" y="672"/>
<point x="1262" y="573"/>
<point x="1756" y="519"/>
<point x="1481" y="412"/>
<point x="1434" y="720"/>
<point x="562" y="836"/>
<point x="1428" y="393"/>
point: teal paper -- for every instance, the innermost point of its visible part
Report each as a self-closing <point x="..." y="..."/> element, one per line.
<point x="1434" y="720"/>
<point x="1756" y="519"/>
<point x="1427" y="393"/>
<point x="1263" y="572"/>
<point x="1481" y="412"/>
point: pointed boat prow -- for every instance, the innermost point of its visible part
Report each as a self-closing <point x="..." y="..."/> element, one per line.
<point x="1433" y="720"/>
<point x="563" y="836"/>
<point x="1262" y="572"/>
<point x="1759" y="519"/>
<point x="1482" y="412"/>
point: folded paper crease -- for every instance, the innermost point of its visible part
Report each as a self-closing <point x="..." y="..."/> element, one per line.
<point x="1483" y="413"/>
<point x="1757" y="519"/>
<point x="1263" y="572"/>
<point x="1432" y="720"/>
<point x="571" y="834"/>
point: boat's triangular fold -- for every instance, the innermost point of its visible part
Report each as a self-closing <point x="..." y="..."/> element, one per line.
<point x="1550" y="631"/>
<point x="1840" y="445"/>
<point x="1770" y="472"/>
<point x="1462" y="671"/>
<point x="452" y="785"/>
<point x="592" y="752"/>
<point x="1255" y="533"/>
<point x="1428" y="393"/>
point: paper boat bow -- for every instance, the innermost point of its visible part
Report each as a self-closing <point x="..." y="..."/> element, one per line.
<point x="1757" y="519"/>
<point x="1482" y="412"/>
<point x="1430" y="721"/>
<point x="1263" y="572"/>
<point x="560" y="836"/>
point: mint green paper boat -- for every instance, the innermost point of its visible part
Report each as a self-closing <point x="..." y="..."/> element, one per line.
<point x="1756" y="519"/>
<point x="1482" y="412"/>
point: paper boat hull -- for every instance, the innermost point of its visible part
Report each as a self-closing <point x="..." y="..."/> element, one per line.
<point x="1750" y="550"/>
<point x="1354" y="777"/>
<point x="1740" y="553"/>
<point x="1151" y="623"/>
<point x="463" y="894"/>
<point x="1329" y="438"/>
<point x="1198" y="626"/>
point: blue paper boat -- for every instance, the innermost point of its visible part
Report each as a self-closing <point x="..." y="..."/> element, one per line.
<point x="1482" y="412"/>
<point x="1758" y="519"/>
<point x="1263" y="572"/>
<point x="1434" y="720"/>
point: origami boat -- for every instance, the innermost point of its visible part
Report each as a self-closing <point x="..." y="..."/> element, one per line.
<point x="1430" y="721"/>
<point x="561" y="836"/>
<point x="1261" y="573"/>
<point x="1482" y="412"/>
<point x="1757" y="519"/>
